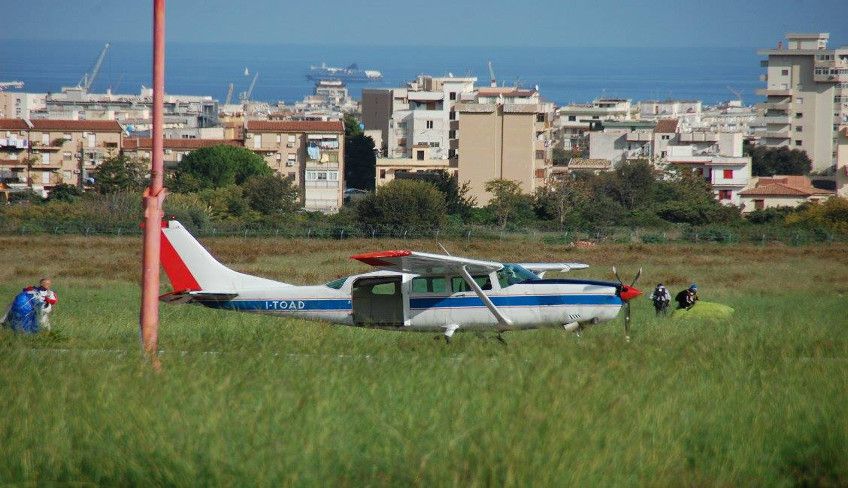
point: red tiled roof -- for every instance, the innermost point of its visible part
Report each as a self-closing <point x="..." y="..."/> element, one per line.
<point x="13" y="124"/>
<point x="295" y="126"/>
<point x="775" y="190"/>
<point x="786" y="186"/>
<point x="145" y="143"/>
<point x="666" y="126"/>
<point x="77" y="125"/>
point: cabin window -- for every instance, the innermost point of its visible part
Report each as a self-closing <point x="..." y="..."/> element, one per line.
<point x="383" y="289"/>
<point x="728" y="174"/>
<point x="511" y="274"/>
<point x="436" y="284"/>
<point x="458" y="283"/>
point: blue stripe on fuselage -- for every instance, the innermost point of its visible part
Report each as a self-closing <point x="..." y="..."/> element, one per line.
<point x="514" y="301"/>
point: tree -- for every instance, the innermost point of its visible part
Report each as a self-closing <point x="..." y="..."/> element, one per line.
<point x="560" y="156"/>
<point x="120" y="173"/>
<point x="217" y="167"/>
<point x="508" y="203"/>
<point x="403" y="204"/>
<point x="456" y="196"/>
<point x="561" y="199"/>
<point x="272" y="194"/>
<point x="227" y="203"/>
<point x="360" y="158"/>
<point x="770" y="161"/>
<point x="64" y="193"/>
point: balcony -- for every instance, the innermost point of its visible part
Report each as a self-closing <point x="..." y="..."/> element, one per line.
<point x="781" y="105"/>
<point x="776" y="119"/>
<point x="774" y="92"/>
<point x="777" y="134"/>
<point x="639" y="136"/>
<point x="840" y="77"/>
<point x="699" y="137"/>
<point x="13" y="143"/>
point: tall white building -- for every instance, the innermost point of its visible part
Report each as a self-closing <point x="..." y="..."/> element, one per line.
<point x="806" y="96"/>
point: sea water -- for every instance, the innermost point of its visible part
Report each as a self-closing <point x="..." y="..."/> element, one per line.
<point x="563" y="74"/>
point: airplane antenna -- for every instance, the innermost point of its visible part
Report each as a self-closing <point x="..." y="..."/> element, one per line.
<point x="443" y="249"/>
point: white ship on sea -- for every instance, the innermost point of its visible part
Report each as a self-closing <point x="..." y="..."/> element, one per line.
<point x="351" y="73"/>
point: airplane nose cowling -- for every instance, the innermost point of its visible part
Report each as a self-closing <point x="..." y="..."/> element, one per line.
<point x="628" y="293"/>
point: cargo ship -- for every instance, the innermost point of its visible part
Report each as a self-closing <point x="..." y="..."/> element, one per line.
<point x="349" y="74"/>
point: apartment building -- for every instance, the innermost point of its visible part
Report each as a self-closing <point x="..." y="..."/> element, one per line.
<point x="503" y="140"/>
<point x="16" y="105"/>
<point x="41" y="154"/>
<point x="573" y="121"/>
<point x="687" y="112"/>
<point x="620" y="141"/>
<point x="842" y="163"/>
<point x="717" y="156"/>
<point x="311" y="152"/>
<point x="419" y="113"/>
<point x="181" y="112"/>
<point x="806" y="96"/>
<point x="175" y="149"/>
<point x="387" y="169"/>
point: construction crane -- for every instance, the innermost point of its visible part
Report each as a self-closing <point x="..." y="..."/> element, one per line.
<point x="11" y="84"/>
<point x="493" y="82"/>
<point x="88" y="78"/>
<point x="229" y="94"/>
<point x="245" y="96"/>
<point x="738" y="93"/>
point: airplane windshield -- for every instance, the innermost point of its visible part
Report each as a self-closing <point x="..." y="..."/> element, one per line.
<point x="511" y="274"/>
<point x="337" y="284"/>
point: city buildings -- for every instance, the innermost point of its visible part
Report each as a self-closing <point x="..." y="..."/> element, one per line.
<point x="18" y="105"/>
<point x="311" y="152"/>
<point x="139" y="148"/>
<point x="842" y="163"/>
<point x="573" y="121"/>
<point x="41" y="154"/>
<point x="806" y="96"/>
<point x="184" y="115"/>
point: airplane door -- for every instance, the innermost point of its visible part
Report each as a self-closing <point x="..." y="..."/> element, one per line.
<point x="378" y="301"/>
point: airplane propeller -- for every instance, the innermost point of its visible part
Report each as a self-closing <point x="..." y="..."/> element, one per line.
<point x="627" y="293"/>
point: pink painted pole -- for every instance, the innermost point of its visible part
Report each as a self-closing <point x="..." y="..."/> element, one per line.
<point x="153" y="196"/>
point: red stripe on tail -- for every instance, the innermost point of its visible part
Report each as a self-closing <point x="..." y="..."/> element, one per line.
<point x="179" y="274"/>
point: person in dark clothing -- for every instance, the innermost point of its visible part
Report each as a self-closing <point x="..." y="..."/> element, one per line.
<point x="661" y="297"/>
<point x="686" y="299"/>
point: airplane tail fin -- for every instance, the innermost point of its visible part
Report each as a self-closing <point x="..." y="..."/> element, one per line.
<point x="191" y="268"/>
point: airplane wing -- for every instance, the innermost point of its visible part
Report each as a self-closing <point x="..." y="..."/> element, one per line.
<point x="542" y="268"/>
<point x="425" y="263"/>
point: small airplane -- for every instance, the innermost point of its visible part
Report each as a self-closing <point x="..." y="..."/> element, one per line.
<point x="409" y="291"/>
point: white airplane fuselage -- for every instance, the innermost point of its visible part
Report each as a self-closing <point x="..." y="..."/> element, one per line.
<point x="533" y="304"/>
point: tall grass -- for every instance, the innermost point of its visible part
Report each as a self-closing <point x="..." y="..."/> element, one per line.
<point x="245" y="399"/>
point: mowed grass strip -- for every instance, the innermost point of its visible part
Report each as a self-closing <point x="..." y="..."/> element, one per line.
<point x="759" y="400"/>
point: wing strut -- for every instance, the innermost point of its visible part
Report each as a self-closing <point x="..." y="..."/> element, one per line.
<point x="503" y="320"/>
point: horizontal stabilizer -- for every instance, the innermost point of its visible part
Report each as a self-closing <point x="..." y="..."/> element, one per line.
<point x="196" y="296"/>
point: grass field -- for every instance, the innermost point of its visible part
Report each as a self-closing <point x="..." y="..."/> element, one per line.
<point x="761" y="400"/>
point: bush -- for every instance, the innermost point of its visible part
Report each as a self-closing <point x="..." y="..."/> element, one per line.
<point x="831" y="215"/>
<point x="403" y="204"/>
<point x="272" y="194"/>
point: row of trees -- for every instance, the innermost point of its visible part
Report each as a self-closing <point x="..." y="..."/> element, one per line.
<point x="233" y="184"/>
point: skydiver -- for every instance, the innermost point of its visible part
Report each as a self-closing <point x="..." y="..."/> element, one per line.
<point x="686" y="299"/>
<point x="661" y="297"/>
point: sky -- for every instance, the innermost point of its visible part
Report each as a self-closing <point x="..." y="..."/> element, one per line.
<point x="574" y="23"/>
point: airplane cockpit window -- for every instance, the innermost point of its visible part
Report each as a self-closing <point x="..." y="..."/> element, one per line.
<point x="511" y="274"/>
<point x="337" y="284"/>
<point x="458" y="283"/>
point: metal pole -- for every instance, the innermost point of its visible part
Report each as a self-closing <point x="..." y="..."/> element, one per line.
<point x="153" y="196"/>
